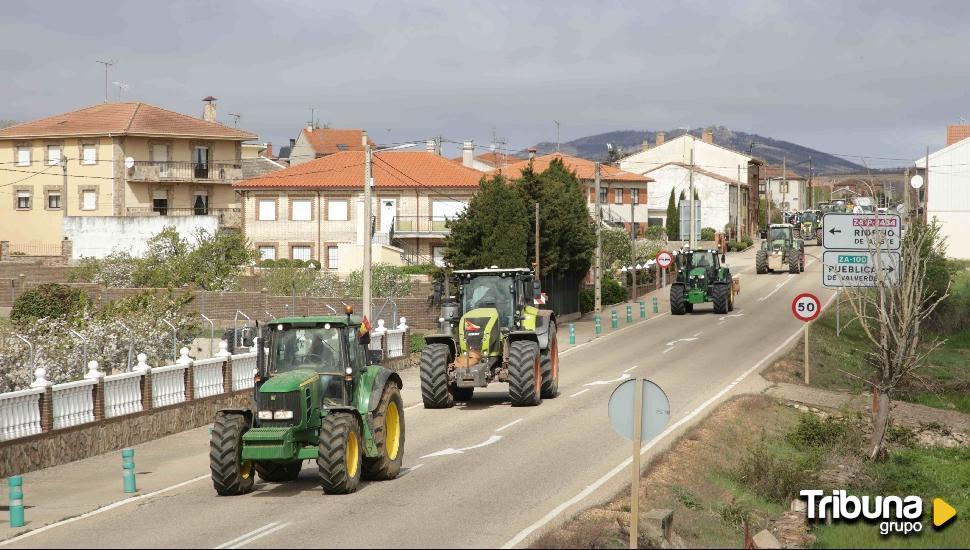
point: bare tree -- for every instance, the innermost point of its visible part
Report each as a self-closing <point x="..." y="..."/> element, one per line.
<point x="892" y="313"/>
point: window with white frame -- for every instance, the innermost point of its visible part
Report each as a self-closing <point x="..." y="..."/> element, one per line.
<point x="23" y="156"/>
<point x="300" y="253"/>
<point x="267" y="252"/>
<point x="89" y="200"/>
<point x="53" y="201"/>
<point x="635" y="196"/>
<point x="267" y="210"/>
<point x="23" y="200"/>
<point x="337" y="210"/>
<point x="618" y="196"/>
<point x="89" y="154"/>
<point x="602" y="194"/>
<point x="301" y="210"/>
<point x="332" y="257"/>
<point x="53" y="154"/>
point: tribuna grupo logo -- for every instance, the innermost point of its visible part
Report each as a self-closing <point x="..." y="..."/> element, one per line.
<point x="894" y="514"/>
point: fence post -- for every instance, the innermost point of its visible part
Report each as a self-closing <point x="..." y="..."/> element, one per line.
<point x="184" y="359"/>
<point x="4" y="250"/>
<point x="226" y="366"/>
<point x="146" y="381"/>
<point x="98" y="389"/>
<point x="46" y="399"/>
<point x="67" y="250"/>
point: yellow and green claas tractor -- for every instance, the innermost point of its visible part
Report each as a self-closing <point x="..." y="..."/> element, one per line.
<point x="701" y="277"/>
<point x="316" y="397"/>
<point x="492" y="332"/>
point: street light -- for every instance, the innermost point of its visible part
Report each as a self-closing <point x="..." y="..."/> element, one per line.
<point x="368" y="237"/>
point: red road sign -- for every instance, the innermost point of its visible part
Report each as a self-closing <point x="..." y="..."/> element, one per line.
<point x="664" y="259"/>
<point x="806" y="307"/>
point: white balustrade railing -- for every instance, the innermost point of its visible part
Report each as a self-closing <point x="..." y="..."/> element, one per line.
<point x="376" y="341"/>
<point x="168" y="385"/>
<point x="396" y="346"/>
<point x="20" y="413"/>
<point x="207" y="377"/>
<point x="73" y="403"/>
<point x="243" y="366"/>
<point x="122" y="394"/>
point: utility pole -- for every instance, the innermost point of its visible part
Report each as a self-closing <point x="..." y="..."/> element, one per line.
<point x="537" y="241"/>
<point x="633" y="246"/>
<point x="106" y="65"/>
<point x="692" y="232"/>
<point x="368" y="154"/>
<point x="737" y="221"/>
<point x="597" y="293"/>
<point x="784" y="182"/>
<point x="811" y="194"/>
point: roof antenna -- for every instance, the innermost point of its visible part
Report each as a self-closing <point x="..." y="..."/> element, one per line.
<point x="106" y="65"/>
<point x="122" y="87"/>
<point x="235" y="119"/>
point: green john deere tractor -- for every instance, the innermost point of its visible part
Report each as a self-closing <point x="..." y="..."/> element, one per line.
<point x="492" y="333"/>
<point x="315" y="398"/>
<point x="810" y="226"/>
<point x="701" y="277"/>
<point x="780" y="250"/>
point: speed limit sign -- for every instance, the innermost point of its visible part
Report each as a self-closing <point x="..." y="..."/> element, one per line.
<point x="806" y="307"/>
<point x="664" y="259"/>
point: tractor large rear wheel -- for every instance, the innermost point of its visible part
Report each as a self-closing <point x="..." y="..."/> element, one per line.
<point x="525" y="374"/>
<point x="761" y="262"/>
<point x="388" y="424"/>
<point x="230" y="474"/>
<point x="279" y="471"/>
<point x="719" y="293"/>
<point x="793" y="261"/>
<point x="818" y="237"/>
<point x="549" y="359"/>
<point x="434" y="378"/>
<point x="340" y="453"/>
<point x="677" y="300"/>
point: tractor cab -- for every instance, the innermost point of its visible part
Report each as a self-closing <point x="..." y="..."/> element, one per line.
<point x="510" y="292"/>
<point x="698" y="265"/>
<point x="780" y="248"/>
<point x="701" y="277"/>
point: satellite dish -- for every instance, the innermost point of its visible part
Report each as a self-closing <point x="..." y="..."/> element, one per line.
<point x="916" y="181"/>
<point x="129" y="162"/>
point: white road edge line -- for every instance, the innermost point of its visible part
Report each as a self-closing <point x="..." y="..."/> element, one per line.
<point x="261" y="535"/>
<point x="522" y="535"/>
<point x="247" y="535"/>
<point x="509" y="425"/>
<point x="631" y="368"/>
<point x="579" y="392"/>
<point x="97" y="511"/>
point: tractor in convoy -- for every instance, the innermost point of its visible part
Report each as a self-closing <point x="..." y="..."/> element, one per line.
<point x="810" y="226"/>
<point x="780" y="250"/>
<point x="316" y="397"/>
<point x="491" y="332"/>
<point x="702" y="277"/>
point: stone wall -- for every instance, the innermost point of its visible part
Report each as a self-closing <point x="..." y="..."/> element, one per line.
<point x="44" y="450"/>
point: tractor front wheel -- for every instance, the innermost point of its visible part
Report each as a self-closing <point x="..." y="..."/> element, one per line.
<point x="279" y="471"/>
<point x="231" y="475"/>
<point x="549" y="359"/>
<point x="761" y="262"/>
<point x="340" y="454"/>
<point x="719" y="293"/>
<point x="434" y="378"/>
<point x="525" y="374"/>
<point x="677" y="306"/>
<point x="388" y="426"/>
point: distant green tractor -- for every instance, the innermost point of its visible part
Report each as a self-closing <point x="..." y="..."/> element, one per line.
<point x="315" y="398"/>
<point x="810" y="226"/>
<point x="493" y="333"/>
<point x="780" y="250"/>
<point x="701" y="278"/>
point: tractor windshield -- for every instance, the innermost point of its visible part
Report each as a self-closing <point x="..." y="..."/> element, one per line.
<point x="703" y="259"/>
<point x="309" y="348"/>
<point x="490" y="291"/>
<point x="779" y="234"/>
<point x="808" y="216"/>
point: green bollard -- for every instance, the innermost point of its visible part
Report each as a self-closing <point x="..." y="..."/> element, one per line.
<point x="629" y="314"/>
<point x="643" y="309"/>
<point x="656" y="307"/>
<point x="572" y="335"/>
<point x="128" y="464"/>
<point x="614" y="320"/>
<point x="597" y="323"/>
<point x="16" y="501"/>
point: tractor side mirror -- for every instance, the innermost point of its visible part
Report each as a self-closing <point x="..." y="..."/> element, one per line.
<point x="375" y="356"/>
<point x="723" y="260"/>
<point x="764" y="233"/>
<point x="536" y="290"/>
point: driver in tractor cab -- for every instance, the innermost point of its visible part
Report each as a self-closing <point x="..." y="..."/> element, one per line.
<point x="487" y="296"/>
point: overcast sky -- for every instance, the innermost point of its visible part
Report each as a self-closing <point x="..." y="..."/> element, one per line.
<point x="874" y="78"/>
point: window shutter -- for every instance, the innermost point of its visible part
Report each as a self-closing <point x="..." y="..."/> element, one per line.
<point x="267" y="210"/>
<point x="90" y="154"/>
<point x="337" y="210"/>
<point x="90" y="201"/>
<point x="301" y="211"/>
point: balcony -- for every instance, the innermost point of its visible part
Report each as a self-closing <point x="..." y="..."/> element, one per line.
<point x="212" y="172"/>
<point x="228" y="217"/>
<point x="420" y="226"/>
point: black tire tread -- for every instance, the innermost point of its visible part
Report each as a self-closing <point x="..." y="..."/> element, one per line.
<point x="677" y="306"/>
<point x="382" y="468"/>
<point x="719" y="293"/>
<point x="761" y="262"/>
<point x="331" y="463"/>
<point x="225" y="448"/>
<point x="522" y="382"/>
<point x="550" y="385"/>
<point x="434" y="378"/>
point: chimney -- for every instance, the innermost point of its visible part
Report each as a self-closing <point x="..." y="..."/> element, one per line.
<point x="292" y="143"/>
<point x="429" y="146"/>
<point x="646" y="145"/>
<point x="468" y="154"/>
<point x="661" y="137"/>
<point x="209" y="109"/>
<point x="532" y="153"/>
<point x="268" y="152"/>
<point x="363" y="138"/>
<point x="957" y="132"/>
<point x="708" y="136"/>
<point x="309" y="127"/>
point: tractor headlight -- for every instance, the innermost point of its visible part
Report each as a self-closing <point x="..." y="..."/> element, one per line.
<point x="441" y="319"/>
<point x="283" y="415"/>
<point x="349" y="371"/>
<point x="265" y="415"/>
<point x="700" y="276"/>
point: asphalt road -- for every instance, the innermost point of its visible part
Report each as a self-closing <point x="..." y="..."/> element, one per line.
<point x="485" y="474"/>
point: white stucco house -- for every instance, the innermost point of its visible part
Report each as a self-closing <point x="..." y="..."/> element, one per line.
<point x="947" y="195"/>
<point x="718" y="195"/>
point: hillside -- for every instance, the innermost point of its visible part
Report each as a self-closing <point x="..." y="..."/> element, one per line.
<point x="765" y="148"/>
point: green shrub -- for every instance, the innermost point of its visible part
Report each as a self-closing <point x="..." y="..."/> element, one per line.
<point x="48" y="300"/>
<point x="707" y="233"/>
<point x="315" y="264"/>
<point x="686" y="497"/>
<point x="656" y="232"/>
<point x="419" y="269"/>
<point x="611" y="291"/>
<point x="586" y="299"/>
<point x="772" y="477"/>
<point x="734" y="514"/>
<point x="746" y="239"/>
<point x="267" y="263"/>
<point x="901" y="435"/>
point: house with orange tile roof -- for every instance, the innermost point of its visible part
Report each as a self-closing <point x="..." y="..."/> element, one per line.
<point x="486" y="162"/>
<point x="124" y="162"/>
<point x="623" y="195"/>
<point x="315" y="210"/>
<point x="314" y="143"/>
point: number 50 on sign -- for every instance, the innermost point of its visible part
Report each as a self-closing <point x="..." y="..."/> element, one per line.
<point x="806" y="307"/>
